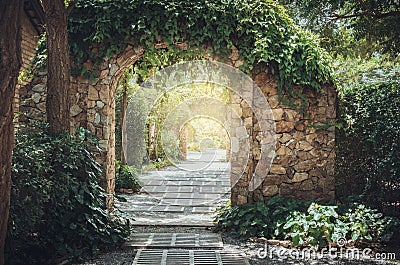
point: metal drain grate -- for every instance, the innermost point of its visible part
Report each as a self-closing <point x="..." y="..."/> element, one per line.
<point x="188" y="257"/>
<point x="175" y="240"/>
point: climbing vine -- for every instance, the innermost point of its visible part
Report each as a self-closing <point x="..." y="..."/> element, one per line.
<point x="261" y="31"/>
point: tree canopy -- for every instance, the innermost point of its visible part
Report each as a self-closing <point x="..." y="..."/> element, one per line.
<point x="373" y="21"/>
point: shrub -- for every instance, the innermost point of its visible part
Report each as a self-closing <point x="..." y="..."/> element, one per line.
<point x="322" y="225"/>
<point x="308" y="223"/>
<point x="316" y="228"/>
<point x="247" y="220"/>
<point x="57" y="207"/>
<point x="368" y="156"/>
<point x="258" y="219"/>
<point x="126" y="177"/>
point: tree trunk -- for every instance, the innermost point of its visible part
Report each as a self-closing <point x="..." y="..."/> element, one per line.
<point x="58" y="66"/>
<point x="10" y="62"/>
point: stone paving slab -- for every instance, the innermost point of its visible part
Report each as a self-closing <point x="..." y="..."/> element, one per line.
<point x="152" y="182"/>
<point x="175" y="240"/>
<point x="159" y="208"/>
<point x="203" y="209"/>
<point x="218" y="190"/>
<point x="186" y="202"/>
<point x="179" y="220"/>
<point x="194" y="195"/>
<point x="164" y="189"/>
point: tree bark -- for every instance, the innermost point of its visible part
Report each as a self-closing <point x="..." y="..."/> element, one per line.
<point x="58" y="66"/>
<point x="10" y="62"/>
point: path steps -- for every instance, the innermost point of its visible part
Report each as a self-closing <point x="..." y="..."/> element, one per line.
<point x="182" y="249"/>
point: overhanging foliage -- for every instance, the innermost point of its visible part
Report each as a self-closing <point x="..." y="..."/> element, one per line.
<point x="260" y="30"/>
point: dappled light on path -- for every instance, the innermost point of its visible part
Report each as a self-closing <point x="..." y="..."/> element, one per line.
<point x="186" y="194"/>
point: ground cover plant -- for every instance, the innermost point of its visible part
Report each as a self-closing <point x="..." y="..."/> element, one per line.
<point x="308" y="223"/>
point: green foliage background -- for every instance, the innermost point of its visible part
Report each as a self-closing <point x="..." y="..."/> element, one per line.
<point x="368" y="159"/>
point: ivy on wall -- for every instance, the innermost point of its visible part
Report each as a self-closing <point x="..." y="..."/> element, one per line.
<point x="261" y="30"/>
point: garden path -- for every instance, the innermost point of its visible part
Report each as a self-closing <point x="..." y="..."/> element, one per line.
<point x="186" y="194"/>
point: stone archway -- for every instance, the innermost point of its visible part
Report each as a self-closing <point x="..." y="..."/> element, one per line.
<point x="303" y="165"/>
<point x="304" y="156"/>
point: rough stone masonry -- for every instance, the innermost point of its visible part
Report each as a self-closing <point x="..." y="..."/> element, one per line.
<point x="303" y="166"/>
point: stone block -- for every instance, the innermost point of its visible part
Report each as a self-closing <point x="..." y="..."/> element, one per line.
<point x="286" y="189"/>
<point x="248" y="122"/>
<point x="291" y="144"/>
<point x="114" y="68"/>
<point x="298" y="136"/>
<point x="298" y="177"/>
<point x="291" y="115"/>
<point x="36" y="97"/>
<point x="93" y="94"/>
<point x="104" y="94"/>
<point x="269" y="191"/>
<point x="307" y="185"/>
<point x="42" y="106"/>
<point x="315" y="173"/>
<point x="273" y="101"/>
<point x="277" y="170"/>
<point x="104" y="73"/>
<point x="304" y="145"/>
<point x="91" y="104"/>
<point x="305" y="165"/>
<point x="269" y="90"/>
<point x="75" y="110"/>
<point x="247" y="112"/>
<point x="100" y="104"/>
<point x="285" y="138"/>
<point x="39" y="88"/>
<point x="299" y="126"/>
<point x="272" y="180"/>
<point x="241" y="200"/>
<point x="278" y="114"/>
<point x="234" y="54"/>
<point x="239" y="63"/>
<point x="283" y="151"/>
<point x="284" y="126"/>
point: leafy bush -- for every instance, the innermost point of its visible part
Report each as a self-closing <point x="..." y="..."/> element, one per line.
<point x="126" y="177"/>
<point x="258" y="219"/>
<point x="322" y="225"/>
<point x="368" y="157"/>
<point x="247" y="220"/>
<point x="316" y="228"/>
<point x="58" y="209"/>
<point x="317" y="225"/>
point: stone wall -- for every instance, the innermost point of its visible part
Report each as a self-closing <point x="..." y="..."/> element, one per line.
<point x="303" y="166"/>
<point x="30" y="38"/>
<point x="304" y="153"/>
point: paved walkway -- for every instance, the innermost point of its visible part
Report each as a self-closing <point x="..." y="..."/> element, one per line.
<point x="186" y="194"/>
<point x="183" y="248"/>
